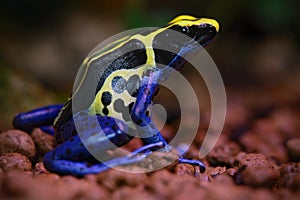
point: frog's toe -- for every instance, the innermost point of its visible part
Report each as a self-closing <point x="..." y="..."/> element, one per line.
<point x="193" y="162"/>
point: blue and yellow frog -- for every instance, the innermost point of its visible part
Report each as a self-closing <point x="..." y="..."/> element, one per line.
<point x="126" y="82"/>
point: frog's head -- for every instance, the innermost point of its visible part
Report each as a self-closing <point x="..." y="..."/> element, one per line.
<point x="183" y="37"/>
<point x="202" y="30"/>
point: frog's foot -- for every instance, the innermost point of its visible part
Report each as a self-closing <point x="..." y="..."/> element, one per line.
<point x="141" y="153"/>
<point x="146" y="150"/>
<point x="136" y="156"/>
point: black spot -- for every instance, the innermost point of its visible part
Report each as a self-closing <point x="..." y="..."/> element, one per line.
<point x="121" y="108"/>
<point x="126" y="116"/>
<point x="129" y="56"/>
<point x="147" y="72"/>
<point x="135" y="93"/>
<point x="105" y="111"/>
<point x="106" y="98"/>
<point x="139" y="122"/>
<point x="132" y="84"/>
<point x="119" y="105"/>
<point x="118" y="84"/>
<point x="130" y="106"/>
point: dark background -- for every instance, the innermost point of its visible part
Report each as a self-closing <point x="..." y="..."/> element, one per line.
<point x="42" y="43"/>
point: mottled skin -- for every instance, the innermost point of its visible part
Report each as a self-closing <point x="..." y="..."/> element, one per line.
<point x="127" y="80"/>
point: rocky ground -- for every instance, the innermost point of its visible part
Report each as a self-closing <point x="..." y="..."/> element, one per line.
<point x="256" y="157"/>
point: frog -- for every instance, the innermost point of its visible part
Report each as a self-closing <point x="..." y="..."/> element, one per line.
<point x="126" y="84"/>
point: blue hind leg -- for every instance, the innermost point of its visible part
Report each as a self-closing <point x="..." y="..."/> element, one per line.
<point x="65" y="166"/>
<point x="75" y="157"/>
<point x="40" y="117"/>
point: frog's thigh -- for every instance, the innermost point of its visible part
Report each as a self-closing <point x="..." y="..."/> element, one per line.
<point x="95" y="135"/>
<point x="72" y="157"/>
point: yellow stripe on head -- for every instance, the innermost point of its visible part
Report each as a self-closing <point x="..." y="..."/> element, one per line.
<point x="182" y="17"/>
<point x="212" y="22"/>
<point x="187" y="20"/>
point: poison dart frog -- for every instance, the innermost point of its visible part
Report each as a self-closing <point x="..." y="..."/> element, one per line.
<point x="127" y="74"/>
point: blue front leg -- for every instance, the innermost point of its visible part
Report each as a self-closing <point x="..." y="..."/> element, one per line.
<point x="147" y="130"/>
<point x="40" y="117"/>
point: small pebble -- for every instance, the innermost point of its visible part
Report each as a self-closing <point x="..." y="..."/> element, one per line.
<point x="213" y="172"/>
<point x="257" y="170"/>
<point x="17" y="141"/>
<point x="260" y="177"/>
<point x="184" y="169"/>
<point x="288" y="172"/>
<point x="39" y="168"/>
<point x="43" y="141"/>
<point x="14" y="161"/>
<point x="232" y="171"/>
<point x="254" y="160"/>
<point x="224" y="154"/>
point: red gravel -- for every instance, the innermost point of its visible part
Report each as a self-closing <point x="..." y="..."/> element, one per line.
<point x="257" y="157"/>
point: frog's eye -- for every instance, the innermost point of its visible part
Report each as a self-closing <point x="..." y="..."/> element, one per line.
<point x="181" y="29"/>
<point x="185" y="30"/>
